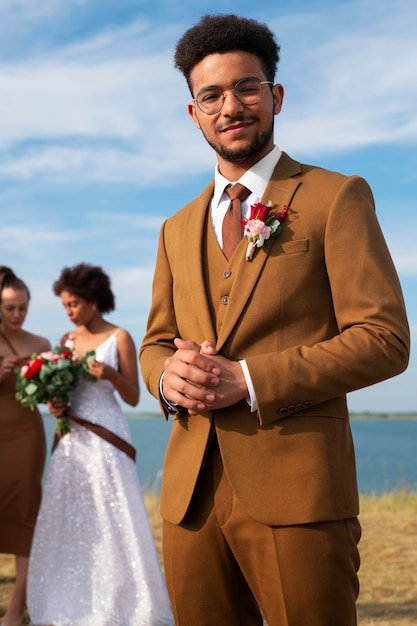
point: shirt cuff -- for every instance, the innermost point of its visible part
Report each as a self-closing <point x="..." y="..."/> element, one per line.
<point x="171" y="407"/>
<point x="251" y="400"/>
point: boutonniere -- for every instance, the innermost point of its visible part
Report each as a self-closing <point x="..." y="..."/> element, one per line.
<point x="262" y="223"/>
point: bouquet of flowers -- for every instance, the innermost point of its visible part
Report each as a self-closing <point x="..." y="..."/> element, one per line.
<point x="52" y="374"/>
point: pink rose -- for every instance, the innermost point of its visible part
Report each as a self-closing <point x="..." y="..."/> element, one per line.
<point x="49" y="356"/>
<point x="24" y="369"/>
<point x="257" y="227"/>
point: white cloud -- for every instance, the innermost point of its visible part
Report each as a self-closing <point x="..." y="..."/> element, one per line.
<point x="405" y="260"/>
<point x="351" y="86"/>
<point x="55" y="99"/>
<point x="401" y="239"/>
<point x="141" y="224"/>
<point x="108" y="107"/>
<point x="104" y="163"/>
<point x="18" y="11"/>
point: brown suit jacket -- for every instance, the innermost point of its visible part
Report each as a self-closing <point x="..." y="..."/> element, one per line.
<point x="316" y="314"/>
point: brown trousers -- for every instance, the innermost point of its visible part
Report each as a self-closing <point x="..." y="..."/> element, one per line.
<point x="223" y="568"/>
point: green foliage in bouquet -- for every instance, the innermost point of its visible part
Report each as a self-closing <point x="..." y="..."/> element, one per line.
<point x="52" y="374"/>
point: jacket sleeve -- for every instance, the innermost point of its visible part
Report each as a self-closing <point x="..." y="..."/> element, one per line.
<point x="157" y="344"/>
<point x="371" y="342"/>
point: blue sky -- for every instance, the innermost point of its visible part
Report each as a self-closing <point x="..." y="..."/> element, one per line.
<point x="97" y="149"/>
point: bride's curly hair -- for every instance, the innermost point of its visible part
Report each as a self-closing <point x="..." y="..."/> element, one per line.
<point x="89" y="282"/>
<point x="217" y="34"/>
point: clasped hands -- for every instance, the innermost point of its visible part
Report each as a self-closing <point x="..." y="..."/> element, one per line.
<point x="199" y="379"/>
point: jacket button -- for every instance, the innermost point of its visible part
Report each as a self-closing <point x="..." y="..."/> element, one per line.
<point x="227" y="273"/>
<point x="225" y="299"/>
<point x="283" y="411"/>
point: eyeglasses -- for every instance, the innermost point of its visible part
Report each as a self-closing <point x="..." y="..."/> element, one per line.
<point x="248" y="91"/>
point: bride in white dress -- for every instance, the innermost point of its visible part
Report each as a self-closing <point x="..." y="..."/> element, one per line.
<point x="93" y="560"/>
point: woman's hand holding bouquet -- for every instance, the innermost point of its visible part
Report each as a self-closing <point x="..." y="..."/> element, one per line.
<point x="49" y="378"/>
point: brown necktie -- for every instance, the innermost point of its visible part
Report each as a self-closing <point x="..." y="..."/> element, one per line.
<point x="232" y="229"/>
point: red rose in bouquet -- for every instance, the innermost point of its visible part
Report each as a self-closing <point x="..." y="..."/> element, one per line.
<point x="49" y="375"/>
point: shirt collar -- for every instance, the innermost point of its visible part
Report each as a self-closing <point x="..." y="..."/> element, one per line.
<point x="255" y="179"/>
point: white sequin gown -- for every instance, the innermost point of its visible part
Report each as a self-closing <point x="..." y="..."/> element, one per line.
<point x="93" y="560"/>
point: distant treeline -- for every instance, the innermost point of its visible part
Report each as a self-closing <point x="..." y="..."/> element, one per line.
<point x="384" y="416"/>
<point x="364" y="415"/>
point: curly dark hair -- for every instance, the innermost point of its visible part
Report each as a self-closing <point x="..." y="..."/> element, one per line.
<point x="217" y="34"/>
<point x="9" y="279"/>
<point x="88" y="282"/>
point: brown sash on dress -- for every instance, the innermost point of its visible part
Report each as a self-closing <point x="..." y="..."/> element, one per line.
<point x="104" y="433"/>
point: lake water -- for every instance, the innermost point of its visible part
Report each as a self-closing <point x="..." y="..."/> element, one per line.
<point x="386" y="454"/>
<point x="386" y="451"/>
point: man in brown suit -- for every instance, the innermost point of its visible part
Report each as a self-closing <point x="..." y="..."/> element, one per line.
<point x="254" y="358"/>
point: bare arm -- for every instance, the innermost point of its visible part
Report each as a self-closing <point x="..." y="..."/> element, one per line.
<point x="125" y="379"/>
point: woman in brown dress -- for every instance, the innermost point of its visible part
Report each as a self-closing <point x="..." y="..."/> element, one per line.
<point x="22" y="440"/>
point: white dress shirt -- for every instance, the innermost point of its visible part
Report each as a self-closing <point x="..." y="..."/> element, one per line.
<point x="255" y="179"/>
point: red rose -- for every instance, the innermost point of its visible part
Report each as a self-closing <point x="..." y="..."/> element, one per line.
<point x="259" y="211"/>
<point x="34" y="368"/>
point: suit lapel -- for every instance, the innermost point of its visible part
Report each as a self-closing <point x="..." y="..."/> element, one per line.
<point x="194" y="240"/>
<point x="280" y="190"/>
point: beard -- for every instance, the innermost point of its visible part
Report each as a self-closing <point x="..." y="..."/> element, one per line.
<point x="256" y="146"/>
